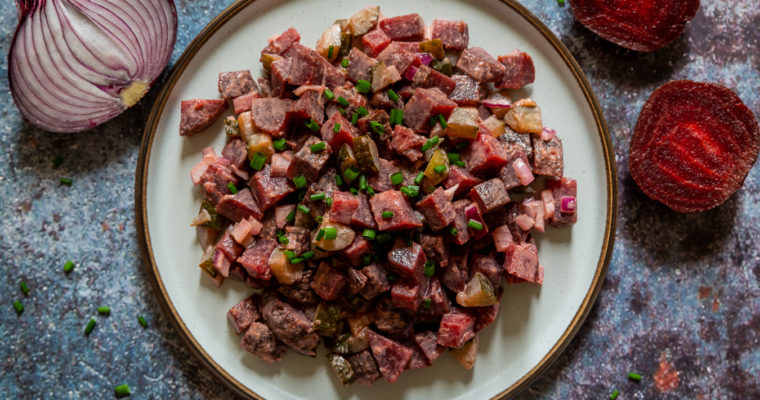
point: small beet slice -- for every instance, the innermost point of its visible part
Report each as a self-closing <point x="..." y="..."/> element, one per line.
<point x="641" y="25"/>
<point x="693" y="145"/>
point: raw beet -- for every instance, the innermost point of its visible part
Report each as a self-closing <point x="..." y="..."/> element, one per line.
<point x="693" y="145"/>
<point x="637" y="25"/>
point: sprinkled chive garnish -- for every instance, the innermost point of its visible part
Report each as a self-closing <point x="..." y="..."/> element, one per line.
<point x="302" y="208"/>
<point x="318" y="219"/>
<point x="392" y="117"/>
<point x="311" y="124"/>
<point x="142" y="321"/>
<point x="459" y="163"/>
<point x="427" y="303"/>
<point x="289" y="254"/>
<point x="283" y="240"/>
<point x="397" y="178"/>
<point x="330" y="51"/>
<point x="351" y="173"/>
<point x="411" y="190"/>
<point x="90" y="326"/>
<point x="439" y="169"/>
<point x="384" y="237"/>
<point x="353" y="191"/>
<point x="418" y="179"/>
<point x="122" y="390"/>
<point x="354" y="118"/>
<point x="68" y="267"/>
<point x="317" y="147"/>
<point x="296" y="260"/>
<point x="331" y="233"/>
<point x="104" y="310"/>
<point x="442" y="121"/>
<point x="462" y="145"/>
<point x="392" y="95"/>
<point x="634" y="376"/>
<point x="57" y="161"/>
<point x="475" y="225"/>
<point x="231" y="187"/>
<point x="344" y="63"/>
<point x="377" y="127"/>
<point x="320" y="234"/>
<point x="257" y="161"/>
<point x="66" y="181"/>
<point x="432" y="121"/>
<point x="614" y="394"/>
<point x="397" y="116"/>
<point x="370" y="191"/>
<point x="336" y="128"/>
<point x="308" y="255"/>
<point x="299" y="181"/>
<point x="291" y="216"/>
<point x="24" y="288"/>
<point x="342" y="101"/>
<point x="429" y="268"/>
<point x="363" y="86"/>
<point x="362" y="111"/>
<point x="280" y="144"/>
<point x="338" y="180"/>
<point x="329" y="201"/>
<point x="430" y="143"/>
<point x="369" y="234"/>
<point x="387" y="214"/>
<point x="453" y="157"/>
<point x="317" y="196"/>
<point x="453" y="231"/>
<point x="362" y="182"/>
<point x="329" y="94"/>
<point x="19" y="307"/>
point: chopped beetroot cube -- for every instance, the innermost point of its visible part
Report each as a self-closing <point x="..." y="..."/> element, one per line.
<point x="365" y="368"/>
<point x="343" y="207"/>
<point x="280" y="43"/>
<point x="437" y="210"/>
<point x="391" y="320"/>
<point x="259" y="340"/>
<point x="237" y="152"/>
<point x="308" y="163"/>
<point x="519" y="70"/>
<point x="345" y="134"/>
<point x="242" y="314"/>
<point x="215" y="178"/>
<point x="407" y="143"/>
<point x="456" y="328"/>
<point x="199" y="114"/>
<point x="455" y="275"/>
<point x="396" y="54"/>
<point x="255" y="259"/>
<point x="427" y="77"/>
<point x="357" y="249"/>
<point x="460" y="222"/>
<point x="404" y="27"/>
<point x="480" y="65"/>
<point x="237" y="272"/>
<point x="424" y="104"/>
<point x="490" y="195"/>
<point x="427" y="343"/>
<point x="467" y="91"/>
<point x="362" y="217"/>
<point x="522" y="261"/>
<point x="311" y="105"/>
<point x="547" y="157"/>
<point x="356" y="281"/>
<point x="280" y="76"/>
<point x="236" y="207"/>
<point x="290" y="325"/>
<point x="485" y="156"/>
<point x="463" y="178"/>
<point x="508" y="173"/>
<point x="236" y="83"/>
<point x="453" y="34"/>
<point x="485" y="316"/>
<point x="221" y="263"/>
<point x="418" y="359"/>
<point x="328" y="282"/>
<point x="359" y="65"/>
<point x="228" y="245"/>
<point x="407" y="261"/>
<point x="391" y="357"/>
<point x="395" y="202"/>
<point x="377" y="281"/>
<point x="267" y="190"/>
<point x="305" y="65"/>
<point x="406" y="296"/>
<point x="381" y="182"/>
<point x="439" y="301"/>
<point x="375" y="41"/>
<point x="269" y="114"/>
<point x="565" y="187"/>
<point x="488" y="266"/>
<point x="436" y="248"/>
<point x="243" y="103"/>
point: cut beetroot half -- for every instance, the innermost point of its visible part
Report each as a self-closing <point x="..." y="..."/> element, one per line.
<point x="693" y="145"/>
<point x="643" y="25"/>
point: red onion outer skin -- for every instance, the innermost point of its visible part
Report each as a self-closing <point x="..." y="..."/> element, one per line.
<point x="65" y="79"/>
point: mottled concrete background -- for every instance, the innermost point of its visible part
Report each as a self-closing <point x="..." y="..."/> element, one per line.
<point x="681" y="303"/>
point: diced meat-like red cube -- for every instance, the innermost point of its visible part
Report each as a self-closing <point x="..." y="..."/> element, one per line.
<point x="490" y="195"/>
<point x="255" y="259"/>
<point x="356" y="281"/>
<point x="460" y="222"/>
<point x="269" y="114"/>
<point x="565" y="187"/>
<point x="453" y="34"/>
<point x="381" y="181"/>
<point x="436" y="248"/>
<point x="362" y="217"/>
<point x="236" y="207"/>
<point x="236" y="152"/>
<point x="437" y="210"/>
<point x="260" y="341"/>
<point x="522" y="261"/>
<point x="547" y="157"/>
<point x="377" y="281"/>
<point x="516" y="161"/>
<point x="418" y="359"/>
<point x="404" y="27"/>
<point x="467" y="91"/>
<point x="406" y="296"/>
<point x="407" y="143"/>
<point x="308" y="163"/>
<point x="455" y="275"/>
<point x="290" y="325"/>
<point x="236" y="83"/>
<point x="480" y="65"/>
<point x="311" y="105"/>
<point x="394" y="201"/>
<point x="359" y="65"/>
<point x="427" y="343"/>
<point x="456" y="328"/>
<point x="407" y="261"/>
<point x="280" y="76"/>
<point x="343" y="207"/>
<point x="488" y="266"/>
<point x="485" y="156"/>
<point x="267" y="190"/>
<point x="365" y="368"/>
<point x="328" y="282"/>
<point x="485" y="316"/>
<point x="199" y="114"/>
<point x="519" y="70"/>
<point x="424" y="104"/>
<point x="356" y="251"/>
<point x="375" y="41"/>
<point x="242" y="103"/>
<point x="299" y="239"/>
<point x="305" y="65"/>
<point x="439" y="301"/>
<point x="280" y="43"/>
<point x="345" y="135"/>
<point x="242" y="314"/>
<point x="228" y="245"/>
<point x="396" y="54"/>
<point x="221" y="263"/>
<point x="391" y="357"/>
<point x="427" y="77"/>
<point x="462" y="177"/>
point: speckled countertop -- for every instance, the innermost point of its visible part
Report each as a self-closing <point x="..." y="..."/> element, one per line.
<point x="680" y="305"/>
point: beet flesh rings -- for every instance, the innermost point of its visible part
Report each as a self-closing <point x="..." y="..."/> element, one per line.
<point x="643" y="25"/>
<point x="693" y="145"/>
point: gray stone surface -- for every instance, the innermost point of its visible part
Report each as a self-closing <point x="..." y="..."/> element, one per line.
<point x="680" y="305"/>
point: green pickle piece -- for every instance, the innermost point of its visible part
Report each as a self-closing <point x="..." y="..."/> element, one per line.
<point x="327" y="319"/>
<point x="443" y="66"/>
<point x="434" y="47"/>
<point x="346" y="158"/>
<point x="342" y="368"/>
<point x="231" y="127"/>
<point x="215" y="222"/>
<point x="365" y="150"/>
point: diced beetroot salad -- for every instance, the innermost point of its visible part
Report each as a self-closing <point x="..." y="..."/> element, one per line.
<point x="377" y="190"/>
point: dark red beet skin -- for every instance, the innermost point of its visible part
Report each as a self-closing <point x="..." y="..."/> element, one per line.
<point x="693" y="145"/>
<point x="641" y="25"/>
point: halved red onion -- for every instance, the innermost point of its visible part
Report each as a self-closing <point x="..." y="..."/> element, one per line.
<point x="567" y="204"/>
<point x="410" y="73"/>
<point x="425" y="58"/>
<point x="74" y="64"/>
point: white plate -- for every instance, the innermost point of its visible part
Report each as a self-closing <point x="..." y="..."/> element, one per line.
<point x="534" y="324"/>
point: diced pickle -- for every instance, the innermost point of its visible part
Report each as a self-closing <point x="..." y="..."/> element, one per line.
<point x="467" y="354"/>
<point x="341" y="345"/>
<point x="345" y="44"/>
<point x="231" y="127"/>
<point x="207" y="262"/>
<point x="494" y="125"/>
<point x="364" y="20"/>
<point x="478" y="292"/>
<point x="327" y="319"/>
<point x="383" y="76"/>
<point x="285" y="272"/>
<point x="201" y="219"/>
<point x="342" y="368"/>
<point x="246" y="127"/>
<point x="434" y="47"/>
<point x="215" y="221"/>
<point x="330" y="38"/>
<point x="346" y="158"/>
<point x="365" y="150"/>
<point x="463" y="123"/>
<point x="260" y="143"/>
<point x="525" y="119"/>
<point x="443" y="66"/>
<point x="439" y="158"/>
<point x="267" y="60"/>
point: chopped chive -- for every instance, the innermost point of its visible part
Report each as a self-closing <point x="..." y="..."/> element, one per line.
<point x="344" y="63"/>
<point x="283" y="240"/>
<point x="299" y="181"/>
<point x="342" y="101"/>
<point x="342" y="110"/>
<point x="387" y="214"/>
<point x="24" y="288"/>
<point x="142" y="321"/>
<point x="122" y="390"/>
<point x="392" y="117"/>
<point x="329" y="201"/>
<point x="363" y="86"/>
<point x="354" y="191"/>
<point x="362" y="111"/>
<point x="377" y="127"/>
<point x="291" y="216"/>
<point x="330" y="51"/>
<point x="19" y="307"/>
<point x="397" y="178"/>
<point x="317" y="147"/>
<point x="104" y="310"/>
<point x="462" y="145"/>
<point x="68" y="267"/>
<point x="311" y="124"/>
<point x="317" y="196"/>
<point x="439" y="169"/>
<point x="318" y="219"/>
<point x="634" y="376"/>
<point x="257" y="161"/>
<point x="320" y="234"/>
<point x="308" y="255"/>
<point x="363" y="182"/>
<point x="614" y="394"/>
<point x="370" y="191"/>
<point x="418" y="179"/>
<point x="354" y="118"/>
<point x="329" y="94"/>
<point x="296" y="260"/>
<point x="90" y="326"/>
<point x="429" y="268"/>
<point x="453" y="231"/>
<point x="66" y="181"/>
<point x="279" y="144"/>
<point x="561" y="2"/>
<point x="336" y="128"/>
<point x="459" y="163"/>
<point x="289" y="254"/>
<point x="369" y="234"/>
<point x="331" y="233"/>
<point x="338" y="180"/>
<point x="411" y="190"/>
<point x="453" y="157"/>
<point x="231" y="187"/>
<point x="350" y="174"/>
<point x="475" y="225"/>
<point x="57" y="161"/>
<point x="442" y="121"/>
<point x="427" y="303"/>
<point x="397" y="116"/>
<point x="430" y="143"/>
<point x="392" y="95"/>
<point x="384" y="237"/>
<point x="302" y="208"/>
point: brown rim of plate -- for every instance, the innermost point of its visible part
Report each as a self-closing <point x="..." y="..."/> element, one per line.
<point x="141" y="175"/>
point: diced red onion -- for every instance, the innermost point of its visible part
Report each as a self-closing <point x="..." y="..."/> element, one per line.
<point x="523" y="172"/>
<point x="74" y="64"/>
<point x="497" y="103"/>
<point x="502" y="238"/>
<point x="280" y="165"/>
<point x="410" y="72"/>
<point x="525" y="222"/>
<point x="473" y="213"/>
<point x="548" y="134"/>
<point x="222" y="263"/>
<point x="450" y="192"/>
<point x="197" y="172"/>
<point x="540" y="222"/>
<point x="256" y="226"/>
<point x="209" y="151"/>
<point x="567" y="204"/>
<point x="242" y="231"/>
<point x="548" y="199"/>
<point x="281" y="215"/>
<point x="425" y="58"/>
<point x="303" y="88"/>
